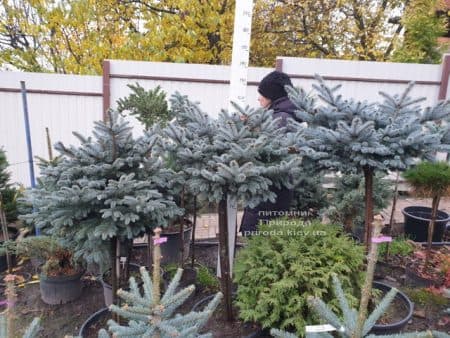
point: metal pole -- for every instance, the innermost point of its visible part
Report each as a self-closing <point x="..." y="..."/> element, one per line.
<point x="28" y="136"/>
<point x="28" y="133"/>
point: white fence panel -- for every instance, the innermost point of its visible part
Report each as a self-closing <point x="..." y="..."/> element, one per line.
<point x="63" y="103"/>
<point x="206" y="84"/>
<point x="363" y="80"/>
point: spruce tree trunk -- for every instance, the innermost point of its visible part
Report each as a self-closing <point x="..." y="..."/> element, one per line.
<point x="434" y="209"/>
<point x="182" y="231"/>
<point x="368" y="176"/>
<point x="114" y="285"/>
<point x="225" y="279"/>
<point x="149" y="249"/>
<point x="194" y="227"/>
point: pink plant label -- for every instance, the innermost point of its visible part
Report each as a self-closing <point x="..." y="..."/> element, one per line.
<point x="382" y="239"/>
<point x="160" y="240"/>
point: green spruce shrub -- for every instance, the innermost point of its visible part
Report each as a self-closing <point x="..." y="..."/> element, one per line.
<point x="347" y="205"/>
<point x="8" y="193"/>
<point x="309" y="194"/>
<point x="281" y="267"/>
<point x="148" y="106"/>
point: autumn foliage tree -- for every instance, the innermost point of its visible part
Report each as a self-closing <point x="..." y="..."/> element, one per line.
<point x="75" y="36"/>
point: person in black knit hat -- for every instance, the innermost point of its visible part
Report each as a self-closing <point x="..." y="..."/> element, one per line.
<point x="273" y="96"/>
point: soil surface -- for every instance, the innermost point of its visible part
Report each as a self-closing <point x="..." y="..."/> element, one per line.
<point x="66" y="319"/>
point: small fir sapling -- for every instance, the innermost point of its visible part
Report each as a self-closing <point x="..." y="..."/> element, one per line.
<point x="151" y="315"/>
<point x="148" y="106"/>
<point x="310" y="197"/>
<point x="363" y="137"/>
<point x="430" y="180"/>
<point x="356" y="324"/>
<point x="109" y="189"/>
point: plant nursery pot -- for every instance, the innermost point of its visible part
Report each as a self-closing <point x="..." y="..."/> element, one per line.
<point x="60" y="289"/>
<point x="262" y="333"/>
<point x="107" y="288"/>
<point x="383" y="269"/>
<point x="417" y="220"/>
<point x="94" y="318"/>
<point x="399" y="324"/>
<point x="415" y="280"/>
<point x="170" y="250"/>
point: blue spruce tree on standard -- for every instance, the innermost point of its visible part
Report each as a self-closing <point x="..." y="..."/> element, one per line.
<point x="108" y="190"/>
<point x="369" y="137"/>
<point x="239" y="155"/>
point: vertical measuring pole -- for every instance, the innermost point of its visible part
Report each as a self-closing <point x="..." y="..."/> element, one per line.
<point x="238" y="92"/>
<point x="238" y="89"/>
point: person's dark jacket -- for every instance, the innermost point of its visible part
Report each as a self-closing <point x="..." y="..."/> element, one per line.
<point x="284" y="108"/>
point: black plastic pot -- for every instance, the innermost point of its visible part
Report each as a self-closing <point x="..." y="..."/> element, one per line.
<point x="262" y="333"/>
<point x="60" y="289"/>
<point x="91" y="320"/>
<point x="414" y="280"/>
<point x="170" y="250"/>
<point x="417" y="220"/>
<point x="393" y="327"/>
<point x="107" y="288"/>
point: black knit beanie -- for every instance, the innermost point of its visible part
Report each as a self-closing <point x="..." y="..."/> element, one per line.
<point x="272" y="85"/>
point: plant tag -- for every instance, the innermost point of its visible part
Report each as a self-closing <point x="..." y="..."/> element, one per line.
<point x="160" y="240"/>
<point x="381" y="239"/>
<point x="319" y="328"/>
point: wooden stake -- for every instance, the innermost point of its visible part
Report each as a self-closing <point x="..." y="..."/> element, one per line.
<point x="11" y="297"/>
<point x="156" y="266"/>
<point x="367" y="288"/>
